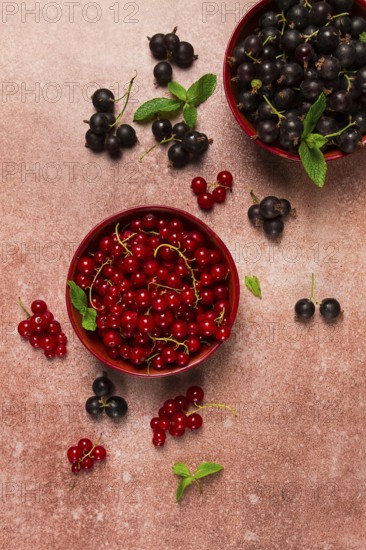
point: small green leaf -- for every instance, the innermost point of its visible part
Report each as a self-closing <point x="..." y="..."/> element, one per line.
<point x="206" y="469"/>
<point x="181" y="469"/>
<point x="315" y="140"/>
<point x="182" y="486"/>
<point x="190" y="115"/>
<point x="362" y="37"/>
<point x="78" y="297"/>
<point x="314" y="163"/>
<point x="156" y="106"/>
<point x="177" y="90"/>
<point x="89" y="317"/>
<point x="313" y="115"/>
<point x="253" y="284"/>
<point x="202" y="89"/>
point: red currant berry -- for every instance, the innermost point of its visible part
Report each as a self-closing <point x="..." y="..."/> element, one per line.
<point x="75" y="468"/>
<point x="86" y="265"/>
<point x="225" y="178"/>
<point x="182" y="402"/>
<point x="99" y="453"/>
<point x="193" y="344"/>
<point x="178" y="421"/>
<point x="175" y="432"/>
<point x="158" y="362"/>
<point x="35" y="340"/>
<point x="205" y="201"/>
<point x="145" y="324"/>
<point x="195" y="394"/>
<point x="24" y="329"/>
<point x="198" y="185"/>
<point x="60" y="350"/>
<point x="38" y="323"/>
<point x="164" y="424"/>
<point x="194" y="421"/>
<point x="85" y="445"/>
<point x="87" y="463"/>
<point x="39" y="307"/>
<point x="169" y="355"/>
<point x="48" y="342"/>
<point x="74" y="454"/>
<point x="207" y="328"/>
<point x="54" y="327"/>
<point x="149" y="222"/>
<point x="170" y="407"/>
<point x="219" y="194"/>
<point x="222" y="334"/>
<point x="154" y="423"/>
<point x="159" y="438"/>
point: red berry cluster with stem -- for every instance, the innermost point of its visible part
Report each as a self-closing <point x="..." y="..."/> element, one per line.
<point x="83" y="455"/>
<point x="160" y="290"/>
<point x="42" y="330"/>
<point x="210" y="193"/>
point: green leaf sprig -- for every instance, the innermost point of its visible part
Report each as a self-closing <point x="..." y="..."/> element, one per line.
<point x="183" y="100"/>
<point x="252" y="283"/>
<point x="204" y="469"/>
<point x="80" y="302"/>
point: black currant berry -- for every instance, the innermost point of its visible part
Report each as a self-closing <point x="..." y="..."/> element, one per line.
<point x="320" y="13"/>
<point x="171" y="41"/>
<point x="180" y="129"/>
<point x="184" y="54"/>
<point x="178" y="156"/>
<point x="116" y="407"/>
<point x="163" y="73"/>
<point x="126" y="135"/>
<point x="193" y="142"/>
<point x="327" y="39"/>
<point x="269" y="19"/>
<point x="103" y="100"/>
<point x="111" y="120"/>
<point x="162" y="128"/>
<point x="93" y="407"/>
<point x="255" y="216"/>
<point x="102" y="386"/>
<point x="349" y="140"/>
<point x="247" y="101"/>
<point x="291" y="39"/>
<point x="157" y="46"/>
<point x="327" y="125"/>
<point x="284" y="99"/>
<point x="267" y="131"/>
<point x="346" y="54"/>
<point x="95" y="142"/>
<point x="330" y="308"/>
<point x="112" y="143"/>
<point x="342" y="5"/>
<point x="99" y="123"/>
<point x="285" y="207"/>
<point x="298" y="17"/>
<point x="360" y="120"/>
<point x="274" y="227"/>
<point x="246" y="72"/>
<point x="270" y="207"/>
<point x="304" y="309"/>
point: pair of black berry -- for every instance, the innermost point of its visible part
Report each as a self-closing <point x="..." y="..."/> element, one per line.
<point x="329" y="308"/>
<point x="188" y="144"/>
<point x="169" y="47"/>
<point x="100" y="135"/>
<point x="269" y="213"/>
<point x="114" y="406"/>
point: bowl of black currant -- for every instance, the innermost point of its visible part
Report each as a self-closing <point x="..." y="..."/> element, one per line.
<point x="297" y="69"/>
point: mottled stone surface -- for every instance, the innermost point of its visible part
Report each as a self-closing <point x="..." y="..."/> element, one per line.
<point x="294" y="458"/>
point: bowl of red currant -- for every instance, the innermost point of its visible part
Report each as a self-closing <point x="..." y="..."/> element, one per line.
<point x="152" y="291"/>
<point x="283" y="56"/>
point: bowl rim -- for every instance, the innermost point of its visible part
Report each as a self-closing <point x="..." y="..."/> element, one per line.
<point x="141" y="210"/>
<point x="240" y="117"/>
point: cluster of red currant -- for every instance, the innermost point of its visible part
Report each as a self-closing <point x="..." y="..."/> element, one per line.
<point x="42" y="330"/>
<point x="172" y="416"/>
<point x="206" y="199"/>
<point x="83" y="455"/>
<point x="160" y="292"/>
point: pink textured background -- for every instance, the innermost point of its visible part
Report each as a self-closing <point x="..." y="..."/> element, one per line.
<point x="294" y="458"/>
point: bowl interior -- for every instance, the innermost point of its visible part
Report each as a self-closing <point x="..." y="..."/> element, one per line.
<point x="246" y="26"/>
<point x="91" y="340"/>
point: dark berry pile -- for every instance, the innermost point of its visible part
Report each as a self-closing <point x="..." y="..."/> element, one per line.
<point x="169" y="48"/>
<point x="172" y="416"/>
<point x="296" y="53"/>
<point x="83" y="455"/>
<point x="103" y="133"/>
<point x="269" y="213"/>
<point x="188" y="145"/>
<point x="206" y="198"/>
<point x="114" y="406"/>
<point x="42" y="330"/>
<point x="160" y="291"/>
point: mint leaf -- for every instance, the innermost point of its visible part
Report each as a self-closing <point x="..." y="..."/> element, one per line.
<point x="190" y="115"/>
<point x="156" y="106"/>
<point x="78" y="297"/>
<point x="182" y="486"/>
<point x="314" y="163"/>
<point x="177" y="90"/>
<point x="89" y="317"/>
<point x="202" y="89"/>
<point x="313" y="115"/>
<point x="362" y="37"/>
<point x="206" y="469"/>
<point x="253" y="284"/>
<point x="315" y="140"/>
<point x="181" y="469"/>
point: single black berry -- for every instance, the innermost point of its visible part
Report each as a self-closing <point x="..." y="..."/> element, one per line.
<point x="171" y="41"/>
<point x="180" y="129"/>
<point x="116" y="407"/>
<point x="103" y="100"/>
<point x="102" y="386"/>
<point x="157" y="46"/>
<point x="330" y="308"/>
<point x="126" y="135"/>
<point x="178" y="156"/>
<point x="163" y="73"/>
<point x="304" y="308"/>
<point x="112" y="143"/>
<point x="95" y="142"/>
<point x="270" y="207"/>
<point x="184" y="54"/>
<point x="273" y="227"/>
<point x="93" y="406"/>
<point x="161" y="128"/>
<point x="255" y="216"/>
<point x="99" y="123"/>
<point x="193" y="142"/>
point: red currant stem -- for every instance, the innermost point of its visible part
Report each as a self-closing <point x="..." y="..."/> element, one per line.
<point x="217" y="405"/>
<point x="127" y="96"/>
<point x="167" y="140"/>
<point x="186" y="261"/>
<point x="220" y="318"/>
<point x="149" y="232"/>
<point x="148" y="362"/>
<point x="255" y="198"/>
<point x="340" y="131"/>
<point x="93" y="281"/>
<point x="274" y="110"/>
<point x="170" y="339"/>
<point x="24" y="308"/>
<point x="122" y="243"/>
<point x="90" y="452"/>
<point x="164" y="286"/>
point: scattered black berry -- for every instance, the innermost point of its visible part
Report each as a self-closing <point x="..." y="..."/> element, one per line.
<point x="103" y="100"/>
<point x="304" y="308"/>
<point x="163" y="73"/>
<point x="330" y="308"/>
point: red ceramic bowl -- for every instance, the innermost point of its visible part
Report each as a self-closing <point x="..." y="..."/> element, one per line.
<point x="92" y="341"/>
<point x="246" y="26"/>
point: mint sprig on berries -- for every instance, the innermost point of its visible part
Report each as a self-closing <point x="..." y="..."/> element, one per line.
<point x="204" y="469"/>
<point x="80" y="302"/>
<point x="252" y="283"/>
<point x="184" y="100"/>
